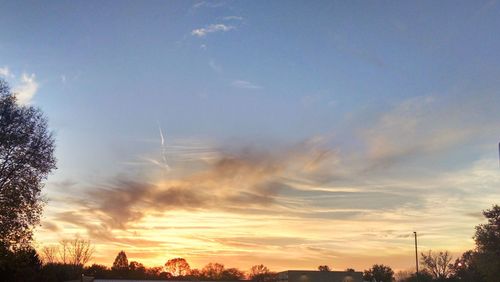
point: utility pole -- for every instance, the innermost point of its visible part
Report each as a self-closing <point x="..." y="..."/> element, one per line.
<point x="416" y="252"/>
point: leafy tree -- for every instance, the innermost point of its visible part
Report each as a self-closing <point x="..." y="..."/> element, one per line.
<point x="465" y="268"/>
<point x="59" y="272"/>
<point x="232" y="274"/>
<point x="438" y="264"/>
<point x="97" y="271"/>
<point x="379" y="273"/>
<point x="324" y="268"/>
<point x="121" y="262"/>
<point x="136" y="270"/>
<point x="21" y="264"/>
<point x="26" y="159"/>
<point x="260" y="273"/>
<point x="487" y="239"/>
<point x="213" y="271"/>
<point x="258" y="270"/>
<point x="165" y="275"/>
<point x="423" y="276"/>
<point x="177" y="266"/>
<point x="194" y="274"/>
<point x="153" y="272"/>
<point x="134" y="265"/>
<point x="350" y="270"/>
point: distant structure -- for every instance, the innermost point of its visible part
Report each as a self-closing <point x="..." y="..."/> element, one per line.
<point x="319" y="276"/>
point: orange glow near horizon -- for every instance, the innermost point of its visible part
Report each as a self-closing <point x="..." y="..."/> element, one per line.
<point x="295" y="207"/>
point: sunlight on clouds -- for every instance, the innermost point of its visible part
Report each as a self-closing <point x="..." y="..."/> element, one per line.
<point x="257" y="205"/>
<point x="27" y="89"/>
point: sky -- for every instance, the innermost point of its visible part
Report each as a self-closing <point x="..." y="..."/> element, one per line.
<point x="288" y="133"/>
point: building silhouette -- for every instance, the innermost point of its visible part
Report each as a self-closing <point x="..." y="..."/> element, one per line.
<point x="319" y="276"/>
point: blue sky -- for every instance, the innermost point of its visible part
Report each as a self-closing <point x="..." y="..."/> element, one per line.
<point x="355" y="108"/>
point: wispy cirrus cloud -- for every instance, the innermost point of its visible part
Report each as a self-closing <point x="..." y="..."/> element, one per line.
<point x="244" y="84"/>
<point x="426" y="126"/>
<point x="232" y="18"/>
<point x="209" y="4"/>
<point x="212" y="28"/>
<point x="214" y="66"/>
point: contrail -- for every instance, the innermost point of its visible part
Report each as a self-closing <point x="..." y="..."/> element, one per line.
<point x="163" y="149"/>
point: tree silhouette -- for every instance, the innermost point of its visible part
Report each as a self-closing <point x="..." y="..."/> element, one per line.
<point x="258" y="269"/>
<point x="134" y="265"/>
<point x="80" y="251"/>
<point x="22" y="265"/>
<point x="136" y="270"/>
<point x="97" y="270"/>
<point x="155" y="272"/>
<point x="49" y="254"/>
<point x="379" y="272"/>
<point x="71" y="251"/>
<point x="121" y="262"/>
<point x="260" y="273"/>
<point x="465" y="267"/>
<point x="213" y="271"/>
<point x="177" y="266"/>
<point x="487" y="239"/>
<point x="26" y="159"/>
<point x="438" y="264"/>
<point x="232" y="274"/>
<point x="323" y="268"/>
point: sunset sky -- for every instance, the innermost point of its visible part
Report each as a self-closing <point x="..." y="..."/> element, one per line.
<point x="288" y="133"/>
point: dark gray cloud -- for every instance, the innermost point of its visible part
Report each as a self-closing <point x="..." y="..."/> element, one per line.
<point x="248" y="181"/>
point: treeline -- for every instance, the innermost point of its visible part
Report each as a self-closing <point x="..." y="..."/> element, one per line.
<point x="479" y="265"/>
<point x="67" y="261"/>
<point x="178" y="269"/>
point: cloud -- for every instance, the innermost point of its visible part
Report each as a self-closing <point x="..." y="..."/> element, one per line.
<point x="245" y="84"/>
<point x="427" y="126"/>
<point x="214" y="66"/>
<point x="179" y="152"/>
<point x="5" y="71"/>
<point x="314" y="197"/>
<point x="50" y="226"/>
<point x="232" y="18"/>
<point x="242" y="182"/>
<point x="208" y="4"/>
<point x="202" y="32"/>
<point x="26" y="90"/>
